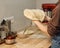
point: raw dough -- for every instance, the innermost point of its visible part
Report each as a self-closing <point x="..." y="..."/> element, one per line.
<point x="34" y="14"/>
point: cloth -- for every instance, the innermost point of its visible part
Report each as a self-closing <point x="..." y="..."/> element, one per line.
<point x="56" y="41"/>
<point x="54" y="24"/>
<point x="34" y="14"/>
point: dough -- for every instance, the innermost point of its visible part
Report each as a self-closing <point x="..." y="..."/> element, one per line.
<point x="29" y="14"/>
<point x="39" y="14"/>
<point x="34" y="14"/>
<point x="29" y="32"/>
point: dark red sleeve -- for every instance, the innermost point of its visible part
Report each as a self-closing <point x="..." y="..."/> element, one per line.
<point x="55" y="22"/>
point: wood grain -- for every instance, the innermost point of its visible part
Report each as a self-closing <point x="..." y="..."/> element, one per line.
<point x="29" y="43"/>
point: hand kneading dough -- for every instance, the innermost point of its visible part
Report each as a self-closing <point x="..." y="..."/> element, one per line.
<point x="34" y="14"/>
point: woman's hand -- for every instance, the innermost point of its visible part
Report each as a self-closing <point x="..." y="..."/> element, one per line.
<point x="47" y="18"/>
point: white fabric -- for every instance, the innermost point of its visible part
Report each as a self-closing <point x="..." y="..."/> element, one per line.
<point x="34" y="14"/>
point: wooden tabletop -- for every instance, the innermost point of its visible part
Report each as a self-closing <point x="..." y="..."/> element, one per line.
<point x="28" y="43"/>
<point x="33" y="41"/>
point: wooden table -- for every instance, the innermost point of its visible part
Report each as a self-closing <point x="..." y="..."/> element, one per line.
<point x="29" y="43"/>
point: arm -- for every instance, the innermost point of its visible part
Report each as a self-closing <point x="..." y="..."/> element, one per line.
<point x="42" y="27"/>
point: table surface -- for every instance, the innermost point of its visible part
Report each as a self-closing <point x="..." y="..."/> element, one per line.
<point x="33" y="41"/>
<point x="28" y="43"/>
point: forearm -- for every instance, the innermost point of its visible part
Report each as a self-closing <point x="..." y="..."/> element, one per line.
<point x="42" y="27"/>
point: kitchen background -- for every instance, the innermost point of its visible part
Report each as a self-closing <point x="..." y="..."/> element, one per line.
<point x="15" y="8"/>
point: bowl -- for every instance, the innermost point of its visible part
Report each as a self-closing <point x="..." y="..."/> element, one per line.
<point x="10" y="41"/>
